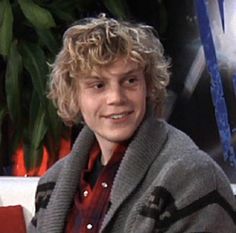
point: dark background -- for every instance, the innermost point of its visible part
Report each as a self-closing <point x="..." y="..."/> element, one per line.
<point x="189" y="105"/>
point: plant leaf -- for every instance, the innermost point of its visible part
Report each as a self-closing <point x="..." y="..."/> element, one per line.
<point x="117" y="7"/>
<point x="34" y="105"/>
<point x="12" y="84"/>
<point x="55" y="123"/>
<point x="55" y="129"/>
<point x="34" y="62"/>
<point x="6" y="24"/>
<point x="33" y="157"/>
<point x="38" y="16"/>
<point x="3" y="112"/>
<point x="16" y="140"/>
<point x="34" y="150"/>
<point x="64" y="10"/>
<point x="62" y="14"/>
<point x="48" y="39"/>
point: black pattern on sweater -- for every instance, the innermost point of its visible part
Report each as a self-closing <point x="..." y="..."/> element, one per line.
<point x="162" y="208"/>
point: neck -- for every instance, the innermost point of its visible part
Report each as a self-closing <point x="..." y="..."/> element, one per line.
<point x="107" y="149"/>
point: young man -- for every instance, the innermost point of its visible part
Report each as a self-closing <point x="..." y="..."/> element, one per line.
<point x="128" y="171"/>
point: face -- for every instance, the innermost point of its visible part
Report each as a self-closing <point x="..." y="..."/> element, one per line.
<point x="112" y="101"/>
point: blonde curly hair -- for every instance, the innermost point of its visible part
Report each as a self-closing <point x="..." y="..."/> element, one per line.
<point x="96" y="42"/>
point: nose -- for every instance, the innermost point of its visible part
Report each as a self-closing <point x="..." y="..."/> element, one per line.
<point x="115" y="95"/>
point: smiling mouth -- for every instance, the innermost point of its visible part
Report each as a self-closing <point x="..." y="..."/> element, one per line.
<point x="118" y="116"/>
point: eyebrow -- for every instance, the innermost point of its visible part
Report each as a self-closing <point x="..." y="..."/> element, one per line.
<point x="131" y="71"/>
<point x="96" y="76"/>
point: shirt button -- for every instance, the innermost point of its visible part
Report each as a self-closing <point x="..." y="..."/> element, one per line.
<point x="85" y="193"/>
<point x="89" y="226"/>
<point x="104" y="185"/>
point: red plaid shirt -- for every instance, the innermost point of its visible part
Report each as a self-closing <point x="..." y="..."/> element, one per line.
<point x="91" y="202"/>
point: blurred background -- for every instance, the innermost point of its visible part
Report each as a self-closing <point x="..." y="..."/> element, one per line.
<point x="198" y="35"/>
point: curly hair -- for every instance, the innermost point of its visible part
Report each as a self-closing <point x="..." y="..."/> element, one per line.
<point x="96" y="42"/>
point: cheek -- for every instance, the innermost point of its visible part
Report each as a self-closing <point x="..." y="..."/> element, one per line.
<point x="82" y="102"/>
<point x="143" y="93"/>
<point x="147" y="89"/>
<point x="143" y="99"/>
<point x="88" y="107"/>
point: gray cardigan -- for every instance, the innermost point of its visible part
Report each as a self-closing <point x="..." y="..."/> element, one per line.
<point x="164" y="184"/>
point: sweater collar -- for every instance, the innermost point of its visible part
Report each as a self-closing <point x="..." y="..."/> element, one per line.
<point x="139" y="155"/>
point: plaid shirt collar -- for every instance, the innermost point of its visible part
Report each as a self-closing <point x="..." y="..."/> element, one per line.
<point x="92" y="202"/>
<point x="95" y="154"/>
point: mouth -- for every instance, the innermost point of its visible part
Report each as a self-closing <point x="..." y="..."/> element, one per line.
<point x="117" y="116"/>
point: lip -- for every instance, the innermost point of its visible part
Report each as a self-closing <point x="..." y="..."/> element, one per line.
<point x="126" y="113"/>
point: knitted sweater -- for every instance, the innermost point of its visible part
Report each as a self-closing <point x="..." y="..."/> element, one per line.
<point x="164" y="184"/>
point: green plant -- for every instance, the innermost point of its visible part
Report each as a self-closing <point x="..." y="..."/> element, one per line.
<point x="30" y="36"/>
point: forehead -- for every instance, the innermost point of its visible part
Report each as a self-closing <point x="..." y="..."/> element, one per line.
<point x="118" y="68"/>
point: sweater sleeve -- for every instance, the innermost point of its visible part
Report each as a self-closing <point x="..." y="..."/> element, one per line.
<point x="43" y="193"/>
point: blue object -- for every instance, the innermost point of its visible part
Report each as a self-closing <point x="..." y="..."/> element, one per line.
<point x="234" y="83"/>
<point x="217" y="92"/>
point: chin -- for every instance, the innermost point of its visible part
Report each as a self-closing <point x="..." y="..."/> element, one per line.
<point x="121" y="138"/>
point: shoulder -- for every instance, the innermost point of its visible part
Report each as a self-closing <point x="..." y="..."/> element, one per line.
<point x="44" y="190"/>
<point x="178" y="139"/>
<point x="180" y="148"/>
<point x="48" y="180"/>
<point x="183" y="167"/>
<point x="47" y="183"/>
<point x="52" y="173"/>
<point x="189" y="172"/>
<point x="192" y="180"/>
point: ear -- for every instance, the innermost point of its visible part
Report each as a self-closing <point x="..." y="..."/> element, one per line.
<point x="81" y="119"/>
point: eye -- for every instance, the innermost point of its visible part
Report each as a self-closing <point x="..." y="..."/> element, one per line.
<point x="99" y="85"/>
<point x="130" y="81"/>
<point x="91" y="85"/>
